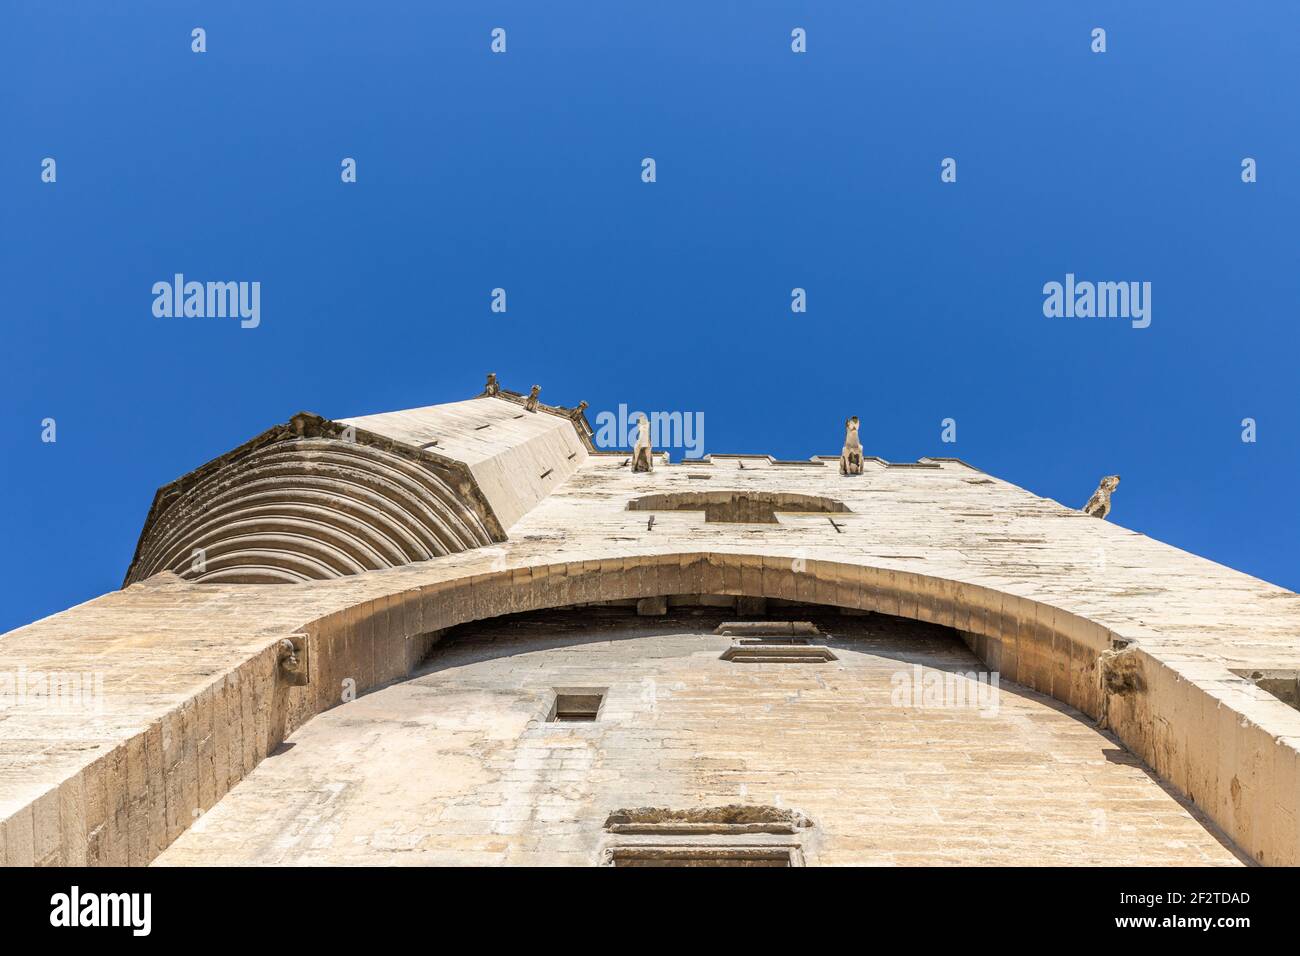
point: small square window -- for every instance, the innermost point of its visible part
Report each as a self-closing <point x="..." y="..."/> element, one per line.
<point x="576" y="706"/>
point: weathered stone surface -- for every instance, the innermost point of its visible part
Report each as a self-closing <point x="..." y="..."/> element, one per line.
<point x="652" y="606"/>
<point x="516" y="458"/>
<point x="1040" y="592"/>
<point x="458" y="764"/>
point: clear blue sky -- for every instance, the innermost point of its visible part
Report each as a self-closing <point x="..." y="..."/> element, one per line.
<point x="775" y="171"/>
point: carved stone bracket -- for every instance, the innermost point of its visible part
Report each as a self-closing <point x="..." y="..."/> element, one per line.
<point x="291" y="659"/>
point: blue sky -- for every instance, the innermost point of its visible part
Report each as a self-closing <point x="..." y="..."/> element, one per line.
<point x="775" y="170"/>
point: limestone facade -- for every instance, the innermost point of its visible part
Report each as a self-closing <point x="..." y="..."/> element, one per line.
<point x="460" y="764"/>
<point x="1158" y="645"/>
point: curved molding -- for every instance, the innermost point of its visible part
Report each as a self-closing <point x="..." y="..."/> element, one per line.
<point x="1160" y="714"/>
<point x="310" y="501"/>
<point x="1227" y="746"/>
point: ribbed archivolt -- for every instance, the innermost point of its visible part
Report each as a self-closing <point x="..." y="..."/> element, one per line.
<point x="307" y="509"/>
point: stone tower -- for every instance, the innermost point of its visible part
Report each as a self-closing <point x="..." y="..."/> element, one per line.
<point x="492" y="642"/>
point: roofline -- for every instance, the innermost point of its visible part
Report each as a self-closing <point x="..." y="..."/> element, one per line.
<point x="574" y="416"/>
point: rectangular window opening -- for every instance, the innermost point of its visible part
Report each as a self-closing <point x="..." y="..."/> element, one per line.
<point x="580" y="706"/>
<point x="778" y="654"/>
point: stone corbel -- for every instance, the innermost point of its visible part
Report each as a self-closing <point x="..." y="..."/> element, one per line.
<point x="291" y="659"/>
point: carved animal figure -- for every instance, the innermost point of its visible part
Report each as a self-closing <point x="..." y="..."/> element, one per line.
<point x="1099" y="504"/>
<point x="642" y="453"/>
<point x="530" y="403"/>
<point x="851" y="456"/>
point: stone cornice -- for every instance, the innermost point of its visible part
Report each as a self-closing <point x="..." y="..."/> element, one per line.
<point x="575" y="416"/>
